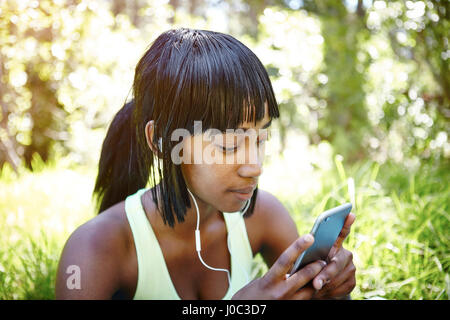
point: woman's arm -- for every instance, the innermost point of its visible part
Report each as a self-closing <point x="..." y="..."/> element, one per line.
<point x="89" y="267"/>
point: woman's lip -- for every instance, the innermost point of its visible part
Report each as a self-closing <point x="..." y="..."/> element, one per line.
<point x="245" y="190"/>
<point x="243" y="196"/>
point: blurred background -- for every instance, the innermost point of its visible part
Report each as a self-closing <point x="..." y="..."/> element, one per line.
<point x="364" y="94"/>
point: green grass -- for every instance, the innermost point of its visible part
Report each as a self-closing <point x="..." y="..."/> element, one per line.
<point x="400" y="238"/>
<point x="38" y="211"/>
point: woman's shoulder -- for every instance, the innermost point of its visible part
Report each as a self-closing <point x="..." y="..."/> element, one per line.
<point x="271" y="228"/>
<point x="108" y="228"/>
<point x="97" y="249"/>
<point x="269" y="218"/>
<point x="107" y="233"/>
<point x="269" y="209"/>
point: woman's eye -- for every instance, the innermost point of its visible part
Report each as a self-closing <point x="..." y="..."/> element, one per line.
<point x="233" y="149"/>
<point x="264" y="138"/>
<point x="259" y="142"/>
<point x="229" y="150"/>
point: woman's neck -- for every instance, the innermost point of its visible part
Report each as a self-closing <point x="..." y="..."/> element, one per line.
<point x="207" y="214"/>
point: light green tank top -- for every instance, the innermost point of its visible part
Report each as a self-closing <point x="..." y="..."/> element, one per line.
<point x="154" y="282"/>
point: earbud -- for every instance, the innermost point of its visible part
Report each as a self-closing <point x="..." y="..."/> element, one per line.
<point x="160" y="144"/>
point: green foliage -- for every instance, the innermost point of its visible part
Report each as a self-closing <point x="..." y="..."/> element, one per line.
<point x="66" y="67"/>
<point x="373" y="81"/>
<point x="407" y="83"/>
<point x="38" y="211"/>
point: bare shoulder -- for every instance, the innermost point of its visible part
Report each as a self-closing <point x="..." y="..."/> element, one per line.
<point x="105" y="231"/>
<point x="271" y="227"/>
<point x="269" y="211"/>
<point x="96" y="250"/>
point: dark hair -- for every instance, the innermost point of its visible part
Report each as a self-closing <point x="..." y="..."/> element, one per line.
<point x="185" y="75"/>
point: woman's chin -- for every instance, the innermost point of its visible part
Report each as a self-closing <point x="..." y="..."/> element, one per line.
<point x="235" y="205"/>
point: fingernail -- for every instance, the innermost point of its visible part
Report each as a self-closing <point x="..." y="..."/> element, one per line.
<point x="308" y="238"/>
<point x="320" y="284"/>
<point x="323" y="263"/>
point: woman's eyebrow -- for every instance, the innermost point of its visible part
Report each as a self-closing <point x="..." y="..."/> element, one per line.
<point x="267" y="124"/>
<point x="263" y="127"/>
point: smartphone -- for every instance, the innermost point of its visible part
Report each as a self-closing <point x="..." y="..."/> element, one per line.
<point x="326" y="229"/>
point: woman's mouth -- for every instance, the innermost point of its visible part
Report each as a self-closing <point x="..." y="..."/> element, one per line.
<point x="244" y="194"/>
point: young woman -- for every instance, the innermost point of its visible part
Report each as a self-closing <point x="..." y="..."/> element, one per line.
<point x="146" y="242"/>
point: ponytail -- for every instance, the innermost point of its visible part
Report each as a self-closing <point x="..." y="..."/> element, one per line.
<point x="119" y="171"/>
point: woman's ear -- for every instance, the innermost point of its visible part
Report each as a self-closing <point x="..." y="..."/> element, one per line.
<point x="149" y="132"/>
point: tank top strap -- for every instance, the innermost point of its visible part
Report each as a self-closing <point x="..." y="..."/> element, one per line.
<point x="154" y="280"/>
<point x="240" y="249"/>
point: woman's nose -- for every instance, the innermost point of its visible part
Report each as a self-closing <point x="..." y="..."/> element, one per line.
<point x="252" y="167"/>
<point x="250" y="170"/>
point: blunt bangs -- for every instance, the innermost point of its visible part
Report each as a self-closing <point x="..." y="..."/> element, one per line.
<point x="213" y="78"/>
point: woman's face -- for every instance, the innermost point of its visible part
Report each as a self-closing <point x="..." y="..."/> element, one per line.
<point x="227" y="166"/>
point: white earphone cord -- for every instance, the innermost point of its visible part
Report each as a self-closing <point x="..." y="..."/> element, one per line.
<point x="198" y="242"/>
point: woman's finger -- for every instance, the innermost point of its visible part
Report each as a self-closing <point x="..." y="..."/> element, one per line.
<point x="303" y="276"/>
<point x="344" y="289"/>
<point x="334" y="267"/>
<point x="346" y="228"/>
<point x="305" y="293"/>
<point x="339" y="280"/>
<point x="284" y="263"/>
<point x="343" y="234"/>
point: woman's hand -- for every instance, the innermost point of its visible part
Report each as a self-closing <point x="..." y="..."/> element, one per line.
<point x="337" y="279"/>
<point x="276" y="285"/>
